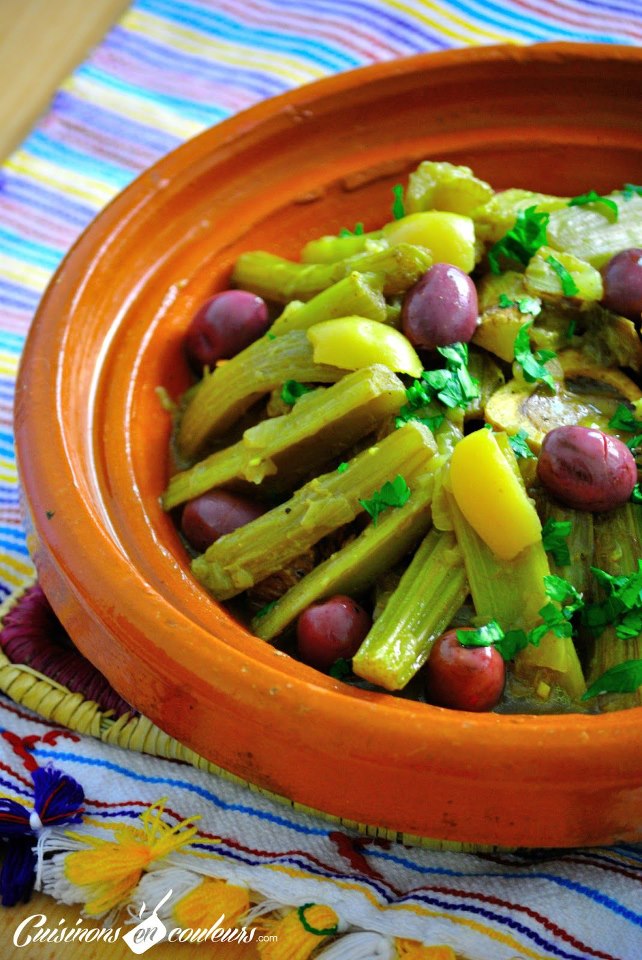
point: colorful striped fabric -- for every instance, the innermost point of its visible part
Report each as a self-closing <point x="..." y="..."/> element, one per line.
<point x="165" y="72"/>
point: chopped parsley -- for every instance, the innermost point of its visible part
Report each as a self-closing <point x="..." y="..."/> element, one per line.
<point x="630" y="190"/>
<point x="621" y="607"/>
<point x="528" y="305"/>
<point x="569" y="287"/>
<point x="340" y="669"/>
<point x="357" y="232"/>
<point x="592" y="197"/>
<point x="524" y="239"/>
<point x="342" y="467"/>
<point x="270" y="336"/>
<point x="555" y="618"/>
<point x="485" y="636"/>
<point x="554" y="534"/>
<point x="634" y="442"/>
<point x="623" y="678"/>
<point x="393" y="493"/>
<point x="532" y="364"/>
<point x="452" y="386"/>
<point x="519" y="446"/>
<point x="570" y="330"/>
<point x="293" y="390"/>
<point x="636" y="494"/>
<point x="624" y="419"/>
<point x="398" y="208"/>
<point x="263" y="612"/>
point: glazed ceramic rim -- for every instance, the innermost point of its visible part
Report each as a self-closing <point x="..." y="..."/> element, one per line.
<point x="591" y="744"/>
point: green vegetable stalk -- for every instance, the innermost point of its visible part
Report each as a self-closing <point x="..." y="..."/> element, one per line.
<point x="430" y="592"/>
<point x="321" y="425"/>
<point x="618" y="545"/>
<point x="283" y="280"/>
<point x="240" y="559"/>
<point x="358" y="295"/>
<point x="230" y="390"/>
<point x="356" y="566"/>
<point x="513" y="593"/>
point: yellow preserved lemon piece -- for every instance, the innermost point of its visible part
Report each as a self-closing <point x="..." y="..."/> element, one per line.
<point x="450" y="237"/>
<point x="491" y="497"/>
<point x="354" y="342"/>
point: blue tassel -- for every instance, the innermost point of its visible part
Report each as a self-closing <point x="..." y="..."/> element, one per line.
<point x="58" y="799"/>
<point x="18" y="871"/>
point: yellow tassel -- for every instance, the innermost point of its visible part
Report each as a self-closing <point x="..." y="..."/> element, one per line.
<point x="298" y="933"/>
<point x="111" y="869"/>
<point x="413" y="950"/>
<point x="203" y="906"/>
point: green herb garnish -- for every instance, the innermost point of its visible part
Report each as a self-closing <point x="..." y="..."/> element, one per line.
<point x="623" y="678"/>
<point x="342" y="467"/>
<point x="398" y="208"/>
<point x="554" y="534"/>
<point x="554" y="618"/>
<point x="526" y="305"/>
<point x="570" y="330"/>
<point x="340" y="669"/>
<point x="622" y="606"/>
<point x="293" y="390"/>
<point x="519" y="446"/>
<point x="630" y="190"/>
<point x="263" y="612"/>
<point x="393" y="493"/>
<point x="523" y="240"/>
<point x="636" y="494"/>
<point x="532" y="363"/>
<point x="569" y="287"/>
<point x="452" y="386"/>
<point x="486" y="636"/>
<point x="592" y="197"/>
<point x="624" y="419"/>
<point x="270" y="336"/>
<point x="357" y="232"/>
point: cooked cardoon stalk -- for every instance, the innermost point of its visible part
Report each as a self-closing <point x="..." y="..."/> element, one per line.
<point x="618" y="545"/>
<point x="240" y="559"/>
<point x="321" y="425"/>
<point x="282" y="280"/>
<point x="356" y="566"/>
<point x="359" y="294"/>
<point x="542" y="276"/>
<point x="430" y="592"/>
<point x="592" y="234"/>
<point x="439" y="185"/>
<point x="494" y="218"/>
<point x="512" y="592"/>
<point x="330" y="248"/>
<point x="225" y="394"/>
<point x="579" y="543"/>
<point x="483" y="368"/>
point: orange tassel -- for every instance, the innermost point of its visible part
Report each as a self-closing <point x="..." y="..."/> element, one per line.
<point x="413" y="950"/>
<point x="203" y="906"/>
<point x="111" y="869"/>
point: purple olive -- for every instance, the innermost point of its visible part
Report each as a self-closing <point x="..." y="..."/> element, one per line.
<point x="213" y="514"/>
<point x="586" y="469"/>
<point x="441" y="308"/>
<point x="226" y="324"/>
<point x="330" y="630"/>
<point x="464" y="678"/>
<point x="622" y="277"/>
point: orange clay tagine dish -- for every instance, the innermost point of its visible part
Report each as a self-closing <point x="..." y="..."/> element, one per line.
<point x="93" y="439"/>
